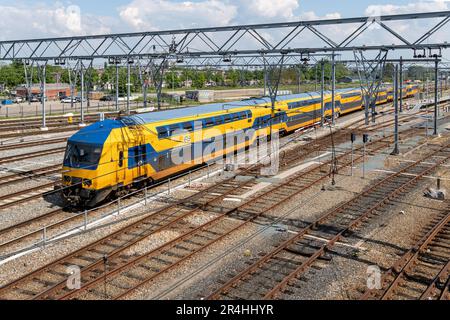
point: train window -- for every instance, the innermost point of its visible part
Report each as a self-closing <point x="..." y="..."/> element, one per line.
<point x="173" y="128"/>
<point x="120" y="158"/>
<point x="227" y="118"/>
<point x="209" y="122"/>
<point x="249" y="114"/>
<point x="82" y="155"/>
<point x="188" y="126"/>
<point x="235" y="116"/>
<point x="218" y="120"/>
<point x="162" y="132"/>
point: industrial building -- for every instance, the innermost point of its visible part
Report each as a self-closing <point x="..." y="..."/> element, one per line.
<point x="53" y="91"/>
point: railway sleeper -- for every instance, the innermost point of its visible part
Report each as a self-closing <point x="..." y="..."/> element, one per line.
<point x="161" y="261"/>
<point x="174" y="254"/>
<point x="87" y="259"/>
<point x="26" y="292"/>
<point x="133" y="276"/>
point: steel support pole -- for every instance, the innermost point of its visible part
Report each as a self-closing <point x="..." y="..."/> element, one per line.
<point x="82" y="124"/>
<point x="43" y="96"/>
<point x="72" y="95"/>
<point x="144" y="94"/>
<point x="333" y="89"/>
<point x="436" y="66"/>
<point x="265" y="79"/>
<point x="397" y="90"/>
<point x="401" y="84"/>
<point x="117" y="85"/>
<point x="128" y="85"/>
<point x="322" y="89"/>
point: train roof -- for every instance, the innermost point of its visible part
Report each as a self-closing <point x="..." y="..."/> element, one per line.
<point x="98" y="132"/>
<point x="151" y="117"/>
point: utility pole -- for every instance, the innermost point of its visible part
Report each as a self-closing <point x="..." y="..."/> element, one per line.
<point x="396" y="98"/>
<point x="43" y="95"/>
<point x="265" y="79"/>
<point x="436" y="66"/>
<point x="401" y="84"/>
<point x="117" y="85"/>
<point x="82" y="124"/>
<point x="128" y="84"/>
<point x="333" y="89"/>
<point x="322" y="88"/>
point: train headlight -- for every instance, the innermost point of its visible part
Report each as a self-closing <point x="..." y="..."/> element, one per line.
<point x="87" y="182"/>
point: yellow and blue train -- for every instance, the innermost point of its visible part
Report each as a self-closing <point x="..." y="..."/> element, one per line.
<point x="111" y="157"/>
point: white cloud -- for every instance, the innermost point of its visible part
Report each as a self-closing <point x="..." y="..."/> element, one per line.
<point x="421" y="6"/>
<point x="171" y="14"/>
<point x="165" y="14"/>
<point x="273" y="9"/>
<point x="311" y="15"/>
<point x="43" y="21"/>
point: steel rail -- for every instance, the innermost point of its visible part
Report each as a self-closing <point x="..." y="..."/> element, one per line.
<point x="31" y="155"/>
<point x="31" y="144"/>
<point x="441" y="276"/>
<point x="24" y="192"/>
<point x="304" y="266"/>
<point x="26" y="276"/>
<point x="407" y="261"/>
<point x="29" y="175"/>
<point x="410" y="258"/>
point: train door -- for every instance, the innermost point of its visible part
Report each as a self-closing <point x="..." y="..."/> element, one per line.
<point x="140" y="154"/>
<point x="143" y="160"/>
<point x="121" y="163"/>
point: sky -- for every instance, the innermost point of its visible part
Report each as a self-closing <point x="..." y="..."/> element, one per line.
<point x="46" y="18"/>
<point x="26" y="19"/>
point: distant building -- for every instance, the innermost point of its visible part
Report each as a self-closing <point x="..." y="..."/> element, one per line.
<point x="53" y="91"/>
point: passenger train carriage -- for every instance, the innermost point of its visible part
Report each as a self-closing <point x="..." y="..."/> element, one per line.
<point x="108" y="158"/>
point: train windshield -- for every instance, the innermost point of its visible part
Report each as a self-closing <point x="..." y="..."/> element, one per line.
<point x="82" y="156"/>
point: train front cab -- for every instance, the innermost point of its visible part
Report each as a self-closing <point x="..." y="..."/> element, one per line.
<point x="90" y="166"/>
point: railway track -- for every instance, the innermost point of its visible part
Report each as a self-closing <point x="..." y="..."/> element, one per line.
<point x="28" y="175"/>
<point x="423" y="272"/>
<point x="16" y="198"/>
<point x="64" y="129"/>
<point x="31" y="127"/>
<point x="60" y="218"/>
<point x="114" y="247"/>
<point x="51" y="119"/>
<point x="30" y="155"/>
<point x="280" y="270"/>
<point x="306" y="151"/>
<point x="13" y="146"/>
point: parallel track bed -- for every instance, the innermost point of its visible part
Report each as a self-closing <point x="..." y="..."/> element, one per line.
<point x="280" y="270"/>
